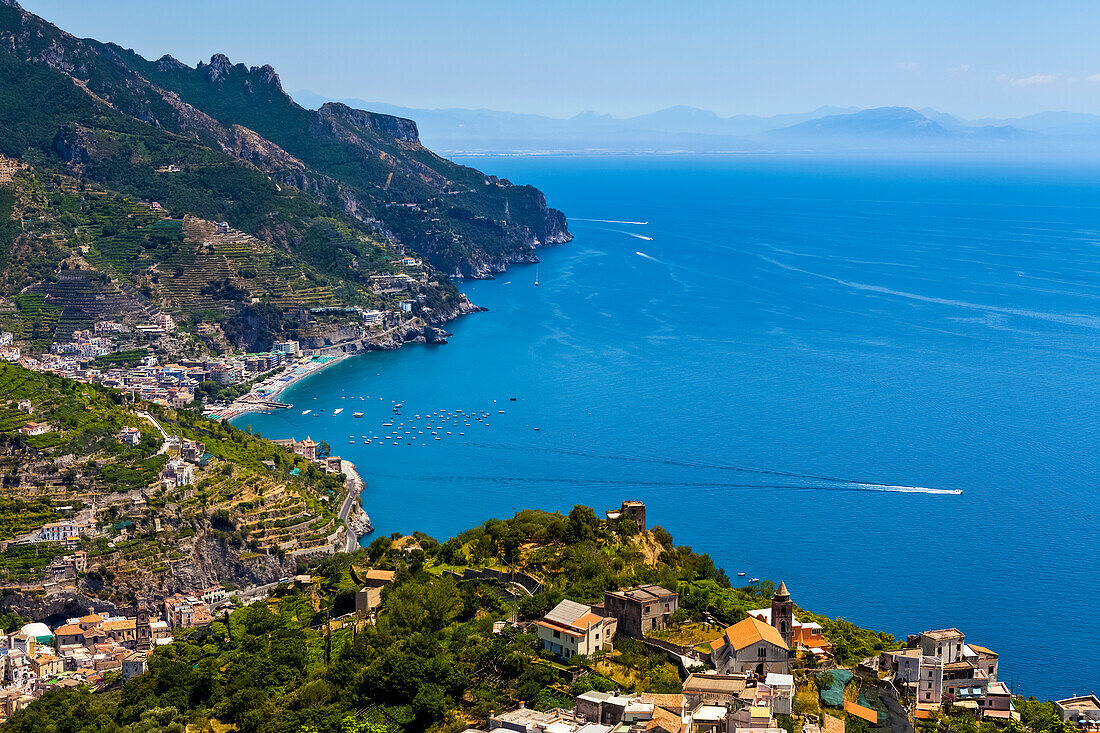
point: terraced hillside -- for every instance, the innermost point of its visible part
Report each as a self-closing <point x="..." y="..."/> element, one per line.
<point x="80" y="298"/>
<point x="250" y="510"/>
<point x="83" y="253"/>
<point x="224" y="142"/>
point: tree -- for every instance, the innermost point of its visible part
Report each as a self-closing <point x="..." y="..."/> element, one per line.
<point x="582" y="524"/>
<point x="627" y="527"/>
<point x="429" y="705"/>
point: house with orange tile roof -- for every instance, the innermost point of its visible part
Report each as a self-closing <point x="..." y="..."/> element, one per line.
<point x="797" y="634"/>
<point x="69" y="634"/>
<point x="572" y="629"/>
<point x="750" y="646"/>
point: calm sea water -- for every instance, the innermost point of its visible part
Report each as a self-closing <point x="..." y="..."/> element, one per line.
<point x="779" y="362"/>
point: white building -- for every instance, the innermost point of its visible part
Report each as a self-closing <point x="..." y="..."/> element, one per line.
<point x="59" y="531"/>
<point x="286" y="347"/>
<point x="572" y="629"/>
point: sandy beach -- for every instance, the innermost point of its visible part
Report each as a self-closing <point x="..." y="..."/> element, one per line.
<point x="269" y="389"/>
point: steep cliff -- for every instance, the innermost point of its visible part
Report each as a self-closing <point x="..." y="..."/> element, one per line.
<point x="369" y="167"/>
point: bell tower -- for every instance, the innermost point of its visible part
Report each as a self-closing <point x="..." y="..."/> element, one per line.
<point x="144" y="632"/>
<point x="783" y="613"/>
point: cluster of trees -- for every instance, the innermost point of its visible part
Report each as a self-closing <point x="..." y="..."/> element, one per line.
<point x="431" y="658"/>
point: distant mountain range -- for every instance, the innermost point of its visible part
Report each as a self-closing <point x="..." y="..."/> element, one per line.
<point x="689" y="129"/>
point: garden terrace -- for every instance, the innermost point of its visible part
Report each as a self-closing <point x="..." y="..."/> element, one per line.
<point x="83" y="297"/>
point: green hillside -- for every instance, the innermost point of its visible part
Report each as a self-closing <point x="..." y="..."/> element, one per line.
<point x="251" y="496"/>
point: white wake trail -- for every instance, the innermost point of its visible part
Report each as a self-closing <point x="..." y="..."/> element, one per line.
<point x="908" y="489"/>
<point x="611" y="221"/>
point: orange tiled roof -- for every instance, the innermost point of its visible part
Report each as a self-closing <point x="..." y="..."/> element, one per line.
<point x="665" y="721"/>
<point x="586" y="621"/>
<point x="92" y="618"/>
<point x="120" y="625"/>
<point x="670" y="701"/>
<point x="747" y="632"/>
<point x="374" y="574"/>
<point x="982" y="649"/>
<point x="69" y="630"/>
<point x="559" y="627"/>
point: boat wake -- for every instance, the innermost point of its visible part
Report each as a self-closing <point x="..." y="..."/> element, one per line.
<point x="611" y="221"/>
<point x="638" y="236"/>
<point x="798" y="481"/>
<point x="648" y="257"/>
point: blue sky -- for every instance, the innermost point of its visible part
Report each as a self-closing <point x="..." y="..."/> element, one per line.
<point x="561" y="57"/>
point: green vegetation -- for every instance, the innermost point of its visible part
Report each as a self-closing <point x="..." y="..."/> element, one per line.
<point x="353" y="192"/>
<point x="245" y="497"/>
<point x="129" y="358"/>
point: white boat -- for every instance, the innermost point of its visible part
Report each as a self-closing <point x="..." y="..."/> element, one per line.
<point x="357" y="414"/>
<point x="754" y="580"/>
<point x="338" y="410"/>
<point x="740" y="575"/>
<point x="306" y="412"/>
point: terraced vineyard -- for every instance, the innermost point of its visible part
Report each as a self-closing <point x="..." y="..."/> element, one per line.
<point x="79" y="298"/>
<point x="210" y="270"/>
<point x="114" y="257"/>
<point x="261" y="502"/>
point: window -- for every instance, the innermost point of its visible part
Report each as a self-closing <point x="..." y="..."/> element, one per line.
<point x="557" y="634"/>
<point x="762" y="652"/>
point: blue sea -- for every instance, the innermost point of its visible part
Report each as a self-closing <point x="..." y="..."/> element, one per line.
<point x="791" y="361"/>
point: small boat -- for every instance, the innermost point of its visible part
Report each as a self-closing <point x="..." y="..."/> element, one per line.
<point x="500" y="412"/>
<point x="754" y="580"/>
<point x="536" y="428"/>
<point x="511" y="399"/>
<point x="740" y="575"/>
<point x="338" y="410"/>
<point x="357" y="414"/>
<point x="306" y="412"/>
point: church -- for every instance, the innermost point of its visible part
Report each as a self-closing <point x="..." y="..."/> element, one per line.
<point x="795" y="634"/>
<point x="750" y="646"/>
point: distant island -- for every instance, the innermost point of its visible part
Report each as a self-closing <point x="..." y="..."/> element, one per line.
<point x="898" y="130"/>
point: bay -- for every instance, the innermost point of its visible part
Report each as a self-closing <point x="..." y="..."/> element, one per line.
<point x="789" y="361"/>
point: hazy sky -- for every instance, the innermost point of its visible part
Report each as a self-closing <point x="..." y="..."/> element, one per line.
<point x="560" y="57"/>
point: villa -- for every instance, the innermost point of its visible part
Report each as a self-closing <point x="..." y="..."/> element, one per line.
<point x="572" y="629"/>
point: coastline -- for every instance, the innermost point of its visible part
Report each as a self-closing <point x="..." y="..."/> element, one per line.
<point x="244" y="406"/>
<point x="352" y="512"/>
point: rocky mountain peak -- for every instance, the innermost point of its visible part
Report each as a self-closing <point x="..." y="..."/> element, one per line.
<point x="398" y="127"/>
<point x="268" y="76"/>
<point x="169" y="63"/>
<point x="219" y="67"/>
<point x="11" y="4"/>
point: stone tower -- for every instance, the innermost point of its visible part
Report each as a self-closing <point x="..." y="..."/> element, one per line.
<point x="144" y="632"/>
<point x="783" y="613"/>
